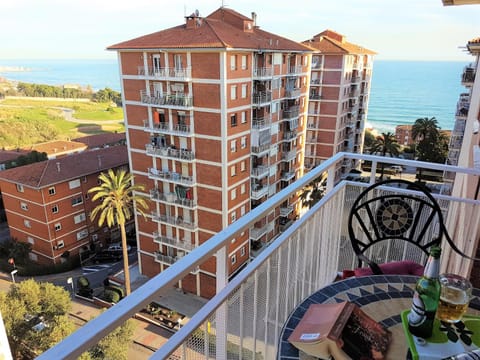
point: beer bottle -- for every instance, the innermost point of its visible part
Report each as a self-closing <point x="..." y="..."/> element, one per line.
<point x="425" y="298"/>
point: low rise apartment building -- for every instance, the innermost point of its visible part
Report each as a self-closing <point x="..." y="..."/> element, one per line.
<point x="47" y="203"/>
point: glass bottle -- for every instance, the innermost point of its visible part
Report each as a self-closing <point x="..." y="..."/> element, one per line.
<point x="426" y="297"/>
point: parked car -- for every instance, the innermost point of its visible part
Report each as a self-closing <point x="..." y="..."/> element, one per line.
<point x="118" y="247"/>
<point x="107" y="256"/>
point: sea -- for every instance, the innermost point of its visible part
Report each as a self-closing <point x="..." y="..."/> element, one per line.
<point x="401" y="91"/>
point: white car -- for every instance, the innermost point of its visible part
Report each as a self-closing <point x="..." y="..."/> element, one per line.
<point x="118" y="247"/>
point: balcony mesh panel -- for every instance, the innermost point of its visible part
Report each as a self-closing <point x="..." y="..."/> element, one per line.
<point x="305" y="261"/>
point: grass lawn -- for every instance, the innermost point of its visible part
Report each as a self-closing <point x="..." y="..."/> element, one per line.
<point x="28" y="121"/>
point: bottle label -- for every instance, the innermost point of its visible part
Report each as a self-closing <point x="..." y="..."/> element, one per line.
<point x="417" y="315"/>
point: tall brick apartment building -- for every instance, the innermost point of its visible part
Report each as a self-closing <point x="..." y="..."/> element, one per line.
<point x="215" y="112"/>
<point x="47" y="204"/>
<point x="338" y="100"/>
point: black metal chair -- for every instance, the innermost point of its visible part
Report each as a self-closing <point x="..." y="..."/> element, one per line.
<point x="395" y="220"/>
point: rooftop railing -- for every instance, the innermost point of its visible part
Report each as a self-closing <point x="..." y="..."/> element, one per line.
<point x="245" y="317"/>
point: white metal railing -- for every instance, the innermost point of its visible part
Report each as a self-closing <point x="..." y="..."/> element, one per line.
<point x="245" y="317"/>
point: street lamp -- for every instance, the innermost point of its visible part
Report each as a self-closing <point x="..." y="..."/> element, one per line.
<point x="13" y="272"/>
<point x="70" y="281"/>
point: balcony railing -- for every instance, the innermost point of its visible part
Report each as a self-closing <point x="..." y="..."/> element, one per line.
<point x="166" y="73"/>
<point x="165" y="240"/>
<point x="260" y="123"/>
<point x="173" y="220"/>
<point x="170" y="176"/>
<point x="174" y="101"/>
<point x="468" y="76"/>
<point x="262" y="72"/>
<point x="262" y="97"/>
<point x="164" y="128"/>
<point x="293" y="93"/>
<point x="248" y="312"/>
<point x="172" y="198"/>
<point x="291" y="113"/>
<point x="168" y="152"/>
<point x="260" y="172"/>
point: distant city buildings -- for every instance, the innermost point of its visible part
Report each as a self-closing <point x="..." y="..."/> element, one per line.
<point x="47" y="203"/>
<point x="338" y="98"/>
<point x="403" y="134"/>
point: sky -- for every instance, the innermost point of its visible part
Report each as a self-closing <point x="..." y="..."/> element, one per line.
<point x="395" y="29"/>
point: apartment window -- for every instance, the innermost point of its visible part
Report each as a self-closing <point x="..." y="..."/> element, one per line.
<point x="55" y="209"/>
<point x="233" y="194"/>
<point x="27" y="223"/>
<point x="233" y="92"/>
<point x="233" y="62"/>
<point x="242" y="166"/>
<point x="58" y="227"/>
<point x="233" y="146"/>
<point x="244" y="62"/>
<point x="74" y="184"/>
<point x="233" y="170"/>
<point x="60" y="244"/>
<point x="242" y="189"/>
<point x="233" y="216"/>
<point x="244" y="91"/>
<point x="24" y="206"/>
<point x="84" y="179"/>
<point x="233" y="120"/>
<point x="244" y="117"/>
<point x="242" y="251"/>
<point x="30" y="240"/>
<point x="20" y="188"/>
<point x="79" y="218"/>
<point x="243" y="142"/>
<point x="242" y="211"/>
<point x="82" y="234"/>
<point x="77" y="200"/>
<point x="233" y="259"/>
<point x="51" y="190"/>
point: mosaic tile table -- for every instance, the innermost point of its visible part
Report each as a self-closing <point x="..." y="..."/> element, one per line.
<point x="382" y="297"/>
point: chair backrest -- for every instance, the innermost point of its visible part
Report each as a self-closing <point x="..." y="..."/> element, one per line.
<point x="392" y="220"/>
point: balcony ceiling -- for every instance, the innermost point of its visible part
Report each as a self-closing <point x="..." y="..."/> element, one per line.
<point x="460" y="2"/>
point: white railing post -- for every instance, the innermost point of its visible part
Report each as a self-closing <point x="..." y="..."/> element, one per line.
<point x="222" y="311"/>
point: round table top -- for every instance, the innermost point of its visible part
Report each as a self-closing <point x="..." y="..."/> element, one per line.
<point x="382" y="297"/>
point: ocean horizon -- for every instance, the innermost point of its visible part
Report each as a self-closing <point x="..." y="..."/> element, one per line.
<point x="401" y="91"/>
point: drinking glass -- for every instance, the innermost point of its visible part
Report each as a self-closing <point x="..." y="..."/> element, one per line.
<point x="455" y="294"/>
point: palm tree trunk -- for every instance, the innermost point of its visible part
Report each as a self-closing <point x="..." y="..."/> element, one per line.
<point x="126" y="270"/>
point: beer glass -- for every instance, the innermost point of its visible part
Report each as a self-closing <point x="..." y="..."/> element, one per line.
<point x="455" y="294"/>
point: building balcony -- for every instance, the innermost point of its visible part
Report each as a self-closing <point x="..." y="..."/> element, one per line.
<point x="293" y="93"/>
<point x="260" y="123"/>
<point x="286" y="210"/>
<point x="290" y="155"/>
<point x="262" y="98"/>
<point x="166" y="73"/>
<point x="262" y="72"/>
<point x="174" y="221"/>
<point x="258" y="191"/>
<point x="289" y="135"/>
<point x="315" y="96"/>
<point x="166" y="128"/>
<point x="171" y="153"/>
<point x="260" y="172"/>
<point x="261" y="150"/>
<point x="172" y="199"/>
<point x="168" y="241"/>
<point x="170" y="176"/>
<point x="287" y="175"/>
<point x="170" y="101"/>
<point x="291" y="113"/>
<point x="257" y="232"/>
<point x="294" y="70"/>
<point x="301" y="260"/>
<point x="315" y="82"/>
<point x="468" y="76"/>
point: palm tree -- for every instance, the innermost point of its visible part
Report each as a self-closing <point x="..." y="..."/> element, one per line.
<point x="117" y="195"/>
<point x="430" y="144"/>
<point x="313" y="192"/>
<point x="385" y="144"/>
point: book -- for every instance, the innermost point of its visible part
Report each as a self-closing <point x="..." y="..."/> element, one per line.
<point x="341" y="331"/>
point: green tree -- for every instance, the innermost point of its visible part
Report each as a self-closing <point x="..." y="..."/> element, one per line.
<point x="114" y="345"/>
<point x="369" y="139"/>
<point x="431" y="144"/>
<point x="118" y="195"/>
<point x="385" y="144"/>
<point x="28" y="303"/>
